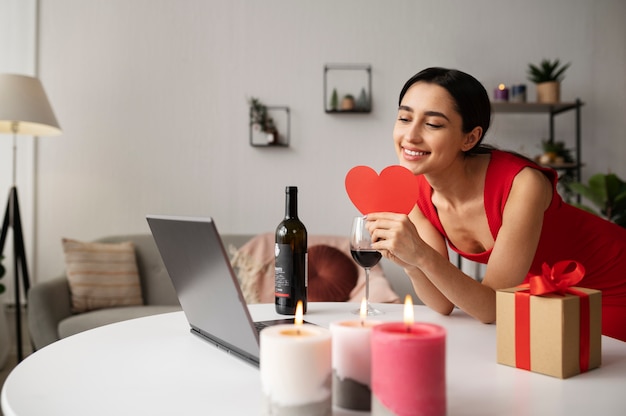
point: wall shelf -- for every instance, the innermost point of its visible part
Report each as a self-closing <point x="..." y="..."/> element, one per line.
<point x="281" y="116"/>
<point x="552" y="110"/>
<point x="343" y="80"/>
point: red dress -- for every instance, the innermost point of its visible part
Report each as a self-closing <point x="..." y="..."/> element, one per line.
<point x="568" y="233"/>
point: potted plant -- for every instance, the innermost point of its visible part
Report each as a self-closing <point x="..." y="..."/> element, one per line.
<point x="555" y="153"/>
<point x="347" y="103"/>
<point x="362" y="103"/>
<point x="557" y="156"/>
<point x="261" y="121"/>
<point x="547" y="76"/>
<point x="608" y="193"/>
<point x="334" y="100"/>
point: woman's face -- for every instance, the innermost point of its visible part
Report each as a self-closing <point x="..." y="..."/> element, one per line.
<point x="428" y="133"/>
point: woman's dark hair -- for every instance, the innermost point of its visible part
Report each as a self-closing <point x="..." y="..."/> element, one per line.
<point x="471" y="98"/>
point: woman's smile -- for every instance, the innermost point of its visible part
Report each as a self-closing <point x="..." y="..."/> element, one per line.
<point x="412" y="155"/>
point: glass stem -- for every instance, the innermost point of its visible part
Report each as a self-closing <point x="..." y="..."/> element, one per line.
<point x="367" y="285"/>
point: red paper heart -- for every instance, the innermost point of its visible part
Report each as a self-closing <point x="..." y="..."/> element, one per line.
<point x="395" y="190"/>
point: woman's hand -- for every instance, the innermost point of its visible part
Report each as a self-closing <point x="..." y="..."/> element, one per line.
<point x="396" y="237"/>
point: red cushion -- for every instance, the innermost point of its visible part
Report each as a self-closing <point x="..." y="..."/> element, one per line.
<point x="332" y="274"/>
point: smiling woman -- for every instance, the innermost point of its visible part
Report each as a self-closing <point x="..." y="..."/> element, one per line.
<point x="490" y="206"/>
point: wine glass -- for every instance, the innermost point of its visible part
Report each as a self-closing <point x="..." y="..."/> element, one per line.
<point x="363" y="253"/>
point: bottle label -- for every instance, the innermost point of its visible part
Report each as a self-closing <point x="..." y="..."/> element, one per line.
<point x="283" y="270"/>
<point x="287" y="268"/>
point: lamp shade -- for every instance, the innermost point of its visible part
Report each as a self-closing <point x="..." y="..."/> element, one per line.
<point x="24" y="107"/>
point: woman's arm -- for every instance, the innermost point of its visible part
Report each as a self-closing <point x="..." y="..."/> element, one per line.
<point x="439" y="283"/>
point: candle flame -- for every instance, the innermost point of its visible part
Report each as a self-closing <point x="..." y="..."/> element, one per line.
<point x="363" y="310"/>
<point x="501" y="87"/>
<point x="408" y="312"/>
<point x="299" y="313"/>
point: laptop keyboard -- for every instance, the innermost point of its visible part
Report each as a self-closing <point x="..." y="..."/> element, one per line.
<point x="260" y="325"/>
<point x="264" y="324"/>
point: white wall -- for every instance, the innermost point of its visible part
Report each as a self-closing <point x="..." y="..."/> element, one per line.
<point x="151" y="95"/>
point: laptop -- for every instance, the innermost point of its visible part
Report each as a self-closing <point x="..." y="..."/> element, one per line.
<point x="206" y="285"/>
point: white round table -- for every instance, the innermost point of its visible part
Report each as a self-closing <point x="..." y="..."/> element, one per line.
<point x="155" y="366"/>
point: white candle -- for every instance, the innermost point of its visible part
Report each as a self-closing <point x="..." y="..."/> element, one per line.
<point x="351" y="362"/>
<point x="296" y="369"/>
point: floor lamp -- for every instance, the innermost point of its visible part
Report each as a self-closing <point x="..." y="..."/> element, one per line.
<point x="24" y="110"/>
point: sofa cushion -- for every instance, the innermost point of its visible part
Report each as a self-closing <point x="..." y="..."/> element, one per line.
<point x="332" y="274"/>
<point x="93" y="319"/>
<point x="101" y="275"/>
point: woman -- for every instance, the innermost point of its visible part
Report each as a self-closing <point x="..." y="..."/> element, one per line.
<point x="491" y="206"/>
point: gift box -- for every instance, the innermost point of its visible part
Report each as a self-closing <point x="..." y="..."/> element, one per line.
<point x="550" y="326"/>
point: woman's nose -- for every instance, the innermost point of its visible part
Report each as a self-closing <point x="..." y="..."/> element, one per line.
<point x="412" y="133"/>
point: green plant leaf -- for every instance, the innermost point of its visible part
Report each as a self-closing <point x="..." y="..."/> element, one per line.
<point x="612" y="186"/>
<point x="559" y="74"/>
<point x="598" y="184"/>
<point x="619" y="204"/>
<point x="547" y="71"/>
<point x="588" y="192"/>
<point x="608" y="193"/>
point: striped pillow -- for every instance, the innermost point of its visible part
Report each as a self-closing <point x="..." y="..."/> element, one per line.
<point x="101" y="275"/>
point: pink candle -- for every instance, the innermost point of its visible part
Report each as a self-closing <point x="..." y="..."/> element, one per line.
<point x="408" y="369"/>
<point x="351" y="358"/>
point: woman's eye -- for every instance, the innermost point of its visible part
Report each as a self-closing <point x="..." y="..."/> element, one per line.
<point x="434" y="126"/>
<point x="403" y="119"/>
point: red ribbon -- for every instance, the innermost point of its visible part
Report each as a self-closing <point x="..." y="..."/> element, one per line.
<point x="557" y="279"/>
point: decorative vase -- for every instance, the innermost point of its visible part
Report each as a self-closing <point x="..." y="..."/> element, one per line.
<point x="549" y="92"/>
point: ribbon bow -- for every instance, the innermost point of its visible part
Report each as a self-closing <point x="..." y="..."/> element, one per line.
<point x="556" y="279"/>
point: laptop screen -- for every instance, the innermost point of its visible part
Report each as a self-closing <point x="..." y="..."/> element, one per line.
<point x="207" y="287"/>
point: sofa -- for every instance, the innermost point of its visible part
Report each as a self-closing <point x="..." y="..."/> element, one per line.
<point x="50" y="315"/>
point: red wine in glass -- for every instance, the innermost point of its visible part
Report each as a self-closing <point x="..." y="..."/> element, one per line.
<point x="363" y="253"/>
<point x="366" y="258"/>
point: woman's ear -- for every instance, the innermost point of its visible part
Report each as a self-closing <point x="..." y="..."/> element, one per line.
<point x="472" y="138"/>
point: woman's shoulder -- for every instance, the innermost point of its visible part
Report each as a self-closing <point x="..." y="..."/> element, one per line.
<point x="532" y="184"/>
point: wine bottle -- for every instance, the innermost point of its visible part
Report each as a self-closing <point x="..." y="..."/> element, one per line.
<point x="291" y="271"/>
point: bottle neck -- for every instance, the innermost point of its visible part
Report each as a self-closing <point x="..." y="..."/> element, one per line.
<point x="291" y="203"/>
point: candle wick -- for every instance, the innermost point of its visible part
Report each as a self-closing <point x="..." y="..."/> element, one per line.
<point x="362" y="322"/>
<point x="408" y="328"/>
<point x="298" y="331"/>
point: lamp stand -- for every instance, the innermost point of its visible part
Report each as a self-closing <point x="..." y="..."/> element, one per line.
<point x="12" y="219"/>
